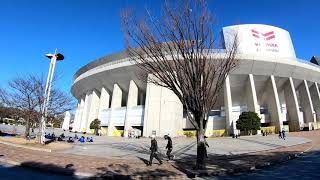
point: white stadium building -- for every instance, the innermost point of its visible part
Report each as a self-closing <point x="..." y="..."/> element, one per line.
<point x="270" y="80"/>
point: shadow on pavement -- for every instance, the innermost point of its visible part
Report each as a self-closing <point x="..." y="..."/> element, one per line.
<point x="145" y="161"/>
<point x="217" y="165"/>
<point x="36" y="171"/>
<point x="123" y="172"/>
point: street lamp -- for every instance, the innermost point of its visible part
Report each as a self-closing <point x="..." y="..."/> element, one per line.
<point x="44" y="110"/>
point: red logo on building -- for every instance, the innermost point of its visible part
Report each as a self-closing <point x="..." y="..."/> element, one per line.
<point x="266" y="36"/>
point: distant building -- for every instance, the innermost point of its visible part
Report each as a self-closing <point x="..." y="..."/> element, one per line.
<point x="270" y="81"/>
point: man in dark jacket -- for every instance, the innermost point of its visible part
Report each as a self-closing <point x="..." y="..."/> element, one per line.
<point x="154" y="150"/>
<point x="169" y="147"/>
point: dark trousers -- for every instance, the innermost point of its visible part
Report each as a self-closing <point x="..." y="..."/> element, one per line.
<point x="169" y="153"/>
<point x="155" y="155"/>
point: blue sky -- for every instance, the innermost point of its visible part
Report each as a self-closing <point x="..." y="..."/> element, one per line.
<point x="84" y="30"/>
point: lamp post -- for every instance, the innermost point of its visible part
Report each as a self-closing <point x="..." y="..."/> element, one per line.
<point x="44" y="110"/>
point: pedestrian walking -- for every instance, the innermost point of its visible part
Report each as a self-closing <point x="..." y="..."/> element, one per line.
<point x="283" y="134"/>
<point x="280" y="134"/>
<point x="206" y="144"/>
<point x="154" y="150"/>
<point x="169" y="147"/>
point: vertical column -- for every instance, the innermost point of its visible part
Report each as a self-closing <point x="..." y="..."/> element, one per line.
<point x="146" y="111"/>
<point x="162" y="110"/>
<point x="78" y="128"/>
<point x="132" y="101"/>
<point x="315" y="95"/>
<point x="84" y="116"/>
<point x="76" y="118"/>
<point x="93" y="109"/>
<point x="230" y="123"/>
<point x="306" y="102"/>
<point x="115" y="103"/>
<point x="104" y="101"/>
<point x="252" y="96"/>
<point x="274" y="105"/>
<point x="292" y="106"/>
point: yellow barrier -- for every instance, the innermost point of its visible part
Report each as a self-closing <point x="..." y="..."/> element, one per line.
<point x="104" y="131"/>
<point x="215" y="133"/>
<point x="269" y="129"/>
<point x="208" y="133"/>
<point x="315" y="125"/>
<point x="117" y="133"/>
<point x="91" y="131"/>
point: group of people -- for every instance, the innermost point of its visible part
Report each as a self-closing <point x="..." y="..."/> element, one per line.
<point x="69" y="139"/>
<point x="155" y="152"/>
<point x="82" y="139"/>
<point x="50" y="136"/>
<point x="282" y="134"/>
<point x="264" y="133"/>
<point x="134" y="134"/>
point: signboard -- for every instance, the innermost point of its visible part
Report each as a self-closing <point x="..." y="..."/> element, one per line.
<point x="260" y="39"/>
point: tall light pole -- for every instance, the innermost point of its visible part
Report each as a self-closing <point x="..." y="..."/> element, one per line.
<point x="44" y="110"/>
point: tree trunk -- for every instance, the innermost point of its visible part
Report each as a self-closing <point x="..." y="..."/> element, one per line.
<point x="27" y="131"/>
<point x="201" y="149"/>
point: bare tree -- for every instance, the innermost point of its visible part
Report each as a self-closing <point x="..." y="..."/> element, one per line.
<point x="26" y="94"/>
<point x="179" y="52"/>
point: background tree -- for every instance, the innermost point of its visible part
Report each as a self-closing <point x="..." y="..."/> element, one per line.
<point x="27" y="94"/>
<point x="95" y="124"/>
<point x="248" y="121"/>
<point x="177" y="52"/>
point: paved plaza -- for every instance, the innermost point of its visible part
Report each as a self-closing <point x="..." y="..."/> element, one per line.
<point x="113" y="147"/>
<point x="115" y="156"/>
<point x="118" y="147"/>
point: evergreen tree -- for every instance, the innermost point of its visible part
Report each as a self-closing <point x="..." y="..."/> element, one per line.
<point x="248" y="121"/>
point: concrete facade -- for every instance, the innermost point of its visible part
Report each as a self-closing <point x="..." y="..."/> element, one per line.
<point x="283" y="91"/>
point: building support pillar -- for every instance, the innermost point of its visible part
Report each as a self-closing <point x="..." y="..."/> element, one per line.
<point x="78" y="125"/>
<point x="93" y="109"/>
<point x="252" y="101"/>
<point x="115" y="103"/>
<point x="85" y="112"/>
<point x="274" y="105"/>
<point x="295" y="122"/>
<point x="306" y="103"/>
<point x="76" y="118"/>
<point x="230" y="122"/>
<point x="104" y="101"/>
<point x="315" y="95"/>
<point x="131" y="102"/>
<point x="163" y="110"/>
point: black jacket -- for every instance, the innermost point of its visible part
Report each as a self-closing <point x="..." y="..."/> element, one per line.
<point x="154" y="145"/>
<point x="169" y="145"/>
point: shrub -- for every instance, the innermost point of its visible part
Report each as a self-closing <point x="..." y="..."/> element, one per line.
<point x="248" y="121"/>
<point x="95" y="124"/>
<point x="189" y="133"/>
<point x="269" y="129"/>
